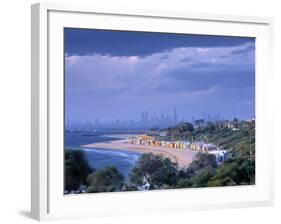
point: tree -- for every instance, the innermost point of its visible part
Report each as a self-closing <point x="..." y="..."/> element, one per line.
<point x="201" y="161"/>
<point x="235" y="171"/>
<point x="182" y="130"/>
<point x="108" y="179"/>
<point x="199" y="171"/>
<point x="227" y="181"/>
<point x="154" y="170"/>
<point x="202" y="178"/>
<point x="184" y="183"/>
<point x="210" y="126"/>
<point x="185" y="126"/>
<point x="76" y="170"/>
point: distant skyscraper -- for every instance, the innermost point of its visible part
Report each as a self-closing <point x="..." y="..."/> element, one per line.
<point x="97" y="123"/>
<point x="175" y="115"/>
<point x="142" y="117"/>
<point x="209" y="117"/>
<point x="162" y="117"/>
<point x="146" y="116"/>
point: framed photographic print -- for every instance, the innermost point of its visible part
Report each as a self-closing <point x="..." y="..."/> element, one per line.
<point x="148" y="111"/>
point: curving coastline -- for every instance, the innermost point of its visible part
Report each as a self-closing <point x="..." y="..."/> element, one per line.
<point x="182" y="157"/>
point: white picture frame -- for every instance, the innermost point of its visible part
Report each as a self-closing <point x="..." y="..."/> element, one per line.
<point x="48" y="201"/>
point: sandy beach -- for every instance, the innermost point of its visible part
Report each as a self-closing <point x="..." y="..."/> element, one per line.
<point x="182" y="156"/>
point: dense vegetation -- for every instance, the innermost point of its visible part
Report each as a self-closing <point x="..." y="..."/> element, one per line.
<point x="157" y="172"/>
<point x="105" y="180"/>
<point x="239" y="140"/>
<point x="76" y="170"/>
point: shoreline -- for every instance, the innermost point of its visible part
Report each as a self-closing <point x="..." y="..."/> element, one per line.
<point x="182" y="157"/>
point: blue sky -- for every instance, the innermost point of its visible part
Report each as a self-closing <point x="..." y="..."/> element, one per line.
<point x="113" y="75"/>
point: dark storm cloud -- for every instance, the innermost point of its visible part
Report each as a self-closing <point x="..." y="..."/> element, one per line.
<point x="133" y="71"/>
<point x="127" y="43"/>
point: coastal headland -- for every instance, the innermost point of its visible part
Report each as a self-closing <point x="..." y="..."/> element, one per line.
<point x="183" y="157"/>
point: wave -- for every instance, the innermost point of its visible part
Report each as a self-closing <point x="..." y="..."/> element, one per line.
<point x="113" y="152"/>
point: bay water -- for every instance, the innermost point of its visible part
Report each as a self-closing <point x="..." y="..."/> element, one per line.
<point x="124" y="161"/>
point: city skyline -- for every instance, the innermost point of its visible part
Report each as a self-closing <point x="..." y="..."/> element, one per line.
<point x="145" y="121"/>
<point x="156" y="72"/>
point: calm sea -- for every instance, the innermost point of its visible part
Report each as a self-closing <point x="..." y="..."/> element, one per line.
<point x="123" y="161"/>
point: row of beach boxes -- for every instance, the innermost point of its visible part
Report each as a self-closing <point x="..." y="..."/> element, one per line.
<point x="198" y="146"/>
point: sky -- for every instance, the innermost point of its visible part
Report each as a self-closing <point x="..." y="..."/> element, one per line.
<point x="112" y="75"/>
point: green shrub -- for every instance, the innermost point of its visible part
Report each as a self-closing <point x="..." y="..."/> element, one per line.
<point x="108" y="179"/>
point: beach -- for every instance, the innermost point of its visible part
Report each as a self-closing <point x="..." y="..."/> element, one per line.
<point x="183" y="157"/>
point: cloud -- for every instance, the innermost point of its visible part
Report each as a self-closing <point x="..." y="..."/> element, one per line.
<point x="244" y="51"/>
<point x="189" y="78"/>
<point x="181" y="69"/>
<point x="126" y="43"/>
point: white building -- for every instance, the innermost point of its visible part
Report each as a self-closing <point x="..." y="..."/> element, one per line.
<point x="220" y="155"/>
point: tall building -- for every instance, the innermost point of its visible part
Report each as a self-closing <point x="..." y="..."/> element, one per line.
<point x="162" y="118"/>
<point x="175" y="115"/>
<point x="142" y="117"/>
<point x="146" y="116"/>
<point x="97" y="123"/>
